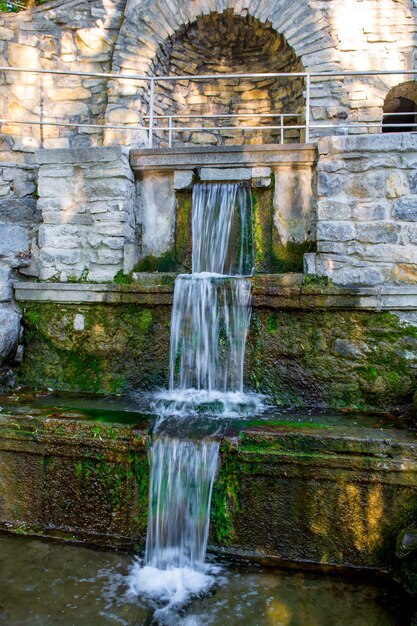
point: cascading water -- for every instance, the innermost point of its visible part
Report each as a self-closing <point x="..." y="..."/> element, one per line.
<point x="210" y="321"/>
<point x="211" y="311"/>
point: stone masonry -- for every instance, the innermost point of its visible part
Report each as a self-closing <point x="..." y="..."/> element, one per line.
<point x="367" y="209"/>
<point x="89" y="224"/>
<point x="85" y="224"/>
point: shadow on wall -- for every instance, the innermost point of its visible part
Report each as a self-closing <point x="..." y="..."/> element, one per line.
<point x="400" y="108"/>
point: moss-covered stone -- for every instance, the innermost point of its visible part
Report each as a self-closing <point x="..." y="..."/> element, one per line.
<point x="329" y="358"/>
<point x="121" y="347"/>
<point x="332" y="358"/>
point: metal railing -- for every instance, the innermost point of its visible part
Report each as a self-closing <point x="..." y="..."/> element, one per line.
<point x="151" y="118"/>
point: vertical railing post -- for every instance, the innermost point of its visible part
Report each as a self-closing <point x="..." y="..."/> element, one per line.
<point x="151" y="113"/>
<point x="281" y="118"/>
<point x="308" y="95"/>
<point x="170" y="132"/>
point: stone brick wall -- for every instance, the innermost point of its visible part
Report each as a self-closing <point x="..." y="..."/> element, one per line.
<point x="229" y="44"/>
<point x="87" y="201"/>
<point x="367" y="209"/>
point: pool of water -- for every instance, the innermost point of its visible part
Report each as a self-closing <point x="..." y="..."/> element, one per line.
<point x="44" y="583"/>
<point x="139" y="410"/>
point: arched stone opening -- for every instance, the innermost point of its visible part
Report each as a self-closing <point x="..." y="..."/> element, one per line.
<point x="226" y="43"/>
<point x="400" y="107"/>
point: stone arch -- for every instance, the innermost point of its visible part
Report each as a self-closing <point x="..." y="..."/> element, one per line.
<point x="224" y="43"/>
<point x="149" y="26"/>
<point x="400" y="99"/>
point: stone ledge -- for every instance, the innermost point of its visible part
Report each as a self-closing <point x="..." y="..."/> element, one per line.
<point x="223" y="156"/>
<point x="79" y="156"/>
<point x="284" y="291"/>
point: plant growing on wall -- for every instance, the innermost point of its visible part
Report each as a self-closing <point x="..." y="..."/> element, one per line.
<point x="14" y="6"/>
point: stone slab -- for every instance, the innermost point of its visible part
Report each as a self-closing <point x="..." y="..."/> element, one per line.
<point x="274" y="291"/>
<point x="79" y="156"/>
<point x="218" y="173"/>
<point x="223" y="156"/>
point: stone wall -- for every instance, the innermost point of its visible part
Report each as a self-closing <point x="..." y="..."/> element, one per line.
<point x="89" y="221"/>
<point x="308" y="345"/>
<point x="296" y="492"/>
<point x="228" y="44"/>
<point x="367" y="209"/>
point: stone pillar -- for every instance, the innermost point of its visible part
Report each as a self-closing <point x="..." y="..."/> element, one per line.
<point x="87" y="202"/>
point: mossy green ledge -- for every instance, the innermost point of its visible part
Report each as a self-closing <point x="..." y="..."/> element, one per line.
<point x="286" y="492"/>
<point x="310" y="343"/>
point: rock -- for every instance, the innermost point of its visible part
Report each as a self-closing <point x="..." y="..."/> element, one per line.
<point x="183" y="179"/>
<point x="7" y="379"/>
<point x="407" y="538"/>
<point x="405" y="209"/>
<point x="395" y="185"/>
<point x="335" y="231"/>
<point x="309" y="264"/>
<point x="350" y="349"/>
<point x="9" y="331"/>
<point x="14" y="241"/>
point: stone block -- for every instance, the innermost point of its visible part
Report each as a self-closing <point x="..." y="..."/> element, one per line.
<point x="261" y="172"/>
<point x="158" y="213"/>
<point x="9" y="331"/>
<point x="79" y="322"/>
<point x="130" y="257"/>
<point x="335" y="231"/>
<point x="309" y="263"/>
<point x="183" y="179"/>
<point x="18" y="210"/>
<point x="412" y="179"/>
<point x="5" y="284"/>
<point x="350" y="349"/>
<point x="395" y="185"/>
<point x="377" y="232"/>
<point x="54" y="187"/>
<point x="232" y="173"/>
<point x="405" y="273"/>
<point x="20" y="55"/>
<point x="405" y="209"/>
<point x="23" y="188"/>
<point x="60" y="236"/>
<point x="329" y="184"/>
<point x="333" y="210"/>
<point x="75" y="156"/>
<point x="370" y="210"/>
<point x="14" y="241"/>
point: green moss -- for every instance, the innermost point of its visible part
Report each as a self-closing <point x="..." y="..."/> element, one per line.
<point x="183" y="227"/>
<point x="120" y="346"/>
<point x="289" y="257"/>
<point x="165" y="263"/>
<point x="293" y="358"/>
<point x="262" y="201"/>
<point x="225" y="499"/>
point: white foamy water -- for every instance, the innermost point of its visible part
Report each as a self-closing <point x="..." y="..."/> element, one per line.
<point x="181" y="483"/>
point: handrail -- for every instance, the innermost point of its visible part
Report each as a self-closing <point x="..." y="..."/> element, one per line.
<point x="152" y="127"/>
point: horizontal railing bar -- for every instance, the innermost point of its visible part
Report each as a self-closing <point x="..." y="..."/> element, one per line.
<point x="206" y="76"/>
<point x="363" y="125"/>
<point x="73" y="125"/>
<point x="160" y="129"/>
<point x="234" y="115"/>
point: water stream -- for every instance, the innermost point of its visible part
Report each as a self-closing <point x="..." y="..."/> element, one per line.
<point x="209" y="325"/>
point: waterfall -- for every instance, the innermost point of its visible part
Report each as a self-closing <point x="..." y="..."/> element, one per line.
<point x="209" y="325"/>
<point x="182" y="475"/>
<point x="212" y="306"/>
